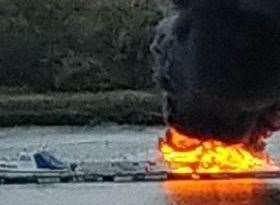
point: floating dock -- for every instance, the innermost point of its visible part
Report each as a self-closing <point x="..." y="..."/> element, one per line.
<point x="127" y="177"/>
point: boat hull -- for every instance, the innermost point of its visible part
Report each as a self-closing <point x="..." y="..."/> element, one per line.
<point x="34" y="176"/>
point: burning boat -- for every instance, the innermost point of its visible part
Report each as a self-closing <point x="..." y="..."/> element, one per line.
<point x="189" y="156"/>
<point x="218" y="65"/>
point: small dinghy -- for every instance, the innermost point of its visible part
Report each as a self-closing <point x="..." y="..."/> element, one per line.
<point x="39" y="166"/>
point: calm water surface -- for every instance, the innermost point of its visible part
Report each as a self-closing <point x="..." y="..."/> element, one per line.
<point x="111" y="142"/>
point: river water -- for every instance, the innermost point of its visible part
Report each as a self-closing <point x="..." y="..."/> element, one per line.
<point x="119" y="142"/>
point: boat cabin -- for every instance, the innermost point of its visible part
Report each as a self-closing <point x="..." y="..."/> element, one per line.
<point x="34" y="161"/>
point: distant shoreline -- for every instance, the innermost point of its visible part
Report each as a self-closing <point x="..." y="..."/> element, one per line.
<point x="122" y="107"/>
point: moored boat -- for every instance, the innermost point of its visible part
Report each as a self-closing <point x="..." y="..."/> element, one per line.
<point x="39" y="166"/>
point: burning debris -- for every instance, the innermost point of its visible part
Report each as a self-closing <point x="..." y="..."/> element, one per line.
<point x="218" y="63"/>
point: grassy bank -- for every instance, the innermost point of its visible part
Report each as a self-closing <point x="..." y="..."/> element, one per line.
<point x="132" y="107"/>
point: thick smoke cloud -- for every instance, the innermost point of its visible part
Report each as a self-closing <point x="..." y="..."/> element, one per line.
<point x="218" y="62"/>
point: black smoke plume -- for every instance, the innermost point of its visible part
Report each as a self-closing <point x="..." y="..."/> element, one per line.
<point x="218" y="62"/>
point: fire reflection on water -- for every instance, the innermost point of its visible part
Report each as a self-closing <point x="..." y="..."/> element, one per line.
<point x="221" y="192"/>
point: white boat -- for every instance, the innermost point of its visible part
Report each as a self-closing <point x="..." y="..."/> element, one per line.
<point x="39" y="166"/>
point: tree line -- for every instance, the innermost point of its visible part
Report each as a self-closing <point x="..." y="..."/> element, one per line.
<point x="76" y="45"/>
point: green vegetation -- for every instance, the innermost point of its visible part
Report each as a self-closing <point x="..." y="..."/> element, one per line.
<point x="76" y="45"/>
<point x="65" y="62"/>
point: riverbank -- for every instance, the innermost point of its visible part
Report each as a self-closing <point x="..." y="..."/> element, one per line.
<point x="123" y="107"/>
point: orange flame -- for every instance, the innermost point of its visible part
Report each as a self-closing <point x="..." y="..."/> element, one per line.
<point x="186" y="155"/>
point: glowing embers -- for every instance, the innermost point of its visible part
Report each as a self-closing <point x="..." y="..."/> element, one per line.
<point x="185" y="155"/>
